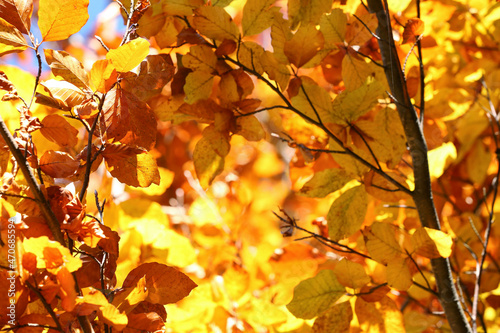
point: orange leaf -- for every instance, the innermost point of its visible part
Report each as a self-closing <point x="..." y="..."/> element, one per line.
<point x="127" y="298"/>
<point x="58" y="164"/>
<point x="136" y="170"/>
<point x="59" y="19"/>
<point x="351" y="274"/>
<point x="57" y="129"/>
<point x="113" y="153"/>
<point x="66" y="93"/>
<point x="215" y="22"/>
<point x="102" y="76"/>
<point x="304" y="45"/>
<point x="128" y="120"/>
<point x="18" y="13"/>
<point x="165" y="284"/>
<point x="67" y="291"/>
<point x="11" y="39"/>
<point x="128" y="56"/>
<point x="381" y="242"/>
<point x="413" y="28"/>
<point x="432" y="243"/>
<point x="67" y="67"/>
<point x="51" y="254"/>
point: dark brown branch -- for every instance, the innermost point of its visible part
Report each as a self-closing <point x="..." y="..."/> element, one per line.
<point x="422" y="195"/>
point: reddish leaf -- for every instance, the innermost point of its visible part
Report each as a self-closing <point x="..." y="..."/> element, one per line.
<point x="165" y="284"/>
<point x="18" y="13"/>
<point x="58" y="164"/>
<point x="57" y="129"/>
<point x="413" y="28"/>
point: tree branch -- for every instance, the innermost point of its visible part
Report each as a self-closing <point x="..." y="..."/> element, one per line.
<point x="422" y="195"/>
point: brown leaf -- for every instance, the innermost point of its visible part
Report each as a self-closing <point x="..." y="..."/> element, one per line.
<point x="128" y="120"/>
<point x="17" y="13"/>
<point x="413" y="28"/>
<point x="227" y="47"/>
<point x="165" y="284"/>
<point x="140" y="8"/>
<point x="58" y="164"/>
<point x="67" y="67"/>
<point x="57" y="129"/>
<point x="6" y="85"/>
<point x="113" y="153"/>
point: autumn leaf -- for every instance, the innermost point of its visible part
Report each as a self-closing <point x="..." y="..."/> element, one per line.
<point x="382" y="317"/>
<point x="11" y="39"/>
<point x="200" y="58"/>
<point x="325" y="182"/>
<point x="209" y="155"/>
<point x="58" y="164"/>
<point x="67" y="67"/>
<point x="347" y="213"/>
<point x="257" y="16"/>
<point x="381" y="242"/>
<point x="51" y="255"/>
<point x="314" y="296"/>
<point x="333" y="26"/>
<point x="128" y="56"/>
<point x="102" y="76"/>
<point x="135" y="170"/>
<point x="314" y="101"/>
<point x="59" y="19"/>
<point x="198" y="86"/>
<point x="57" y="129"/>
<point x="18" y="13"/>
<point x="398" y="274"/>
<point x="64" y="92"/>
<point x="336" y="319"/>
<point x="164" y="284"/>
<point x="432" y="243"/>
<point x="304" y="45"/>
<point x="440" y="158"/>
<point x="126" y="299"/>
<point x="128" y="120"/>
<point x="351" y="274"/>
<point x="215" y="22"/>
<point x="414" y="28"/>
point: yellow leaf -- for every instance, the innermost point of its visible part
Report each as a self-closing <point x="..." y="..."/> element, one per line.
<point x="347" y="213"/>
<point x="304" y="45"/>
<point x="478" y="162"/>
<point x="381" y="242"/>
<point x="398" y="274"/>
<point x="51" y="255"/>
<point x="200" y="58"/>
<point x="126" y="299"/>
<point x="69" y="94"/>
<point x="102" y="76"/>
<point x="314" y="296"/>
<point x="307" y="12"/>
<point x="136" y="170"/>
<point x="181" y="7"/>
<point x="67" y="67"/>
<point x="313" y="101"/>
<point x="209" y="154"/>
<point x="130" y="55"/>
<point x="250" y="128"/>
<point x="280" y="33"/>
<point x="11" y="39"/>
<point x="440" y="158"/>
<point x="166" y="178"/>
<point x="198" y="86"/>
<point x="165" y="284"/>
<point x="215" y="23"/>
<point x="356" y="70"/>
<point x="325" y="182"/>
<point x="257" y="16"/>
<point x="180" y="251"/>
<point x="350" y="105"/>
<point x="275" y="70"/>
<point x="432" y="243"/>
<point x="382" y="316"/>
<point x="337" y="319"/>
<point x="333" y="27"/>
<point x="59" y="19"/>
<point x="250" y="55"/>
<point x="351" y="274"/>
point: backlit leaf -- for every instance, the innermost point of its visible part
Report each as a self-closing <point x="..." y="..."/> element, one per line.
<point x="59" y="19"/>
<point x="57" y="129"/>
<point x="379" y="317"/>
<point x="128" y="120"/>
<point x="126" y="299"/>
<point x="11" y="39"/>
<point x="198" y="86"/>
<point x="58" y="164"/>
<point x="130" y="55"/>
<point x="440" y="158"/>
<point x="381" y="242"/>
<point x="65" y="92"/>
<point x="307" y="12"/>
<point x="313" y="101"/>
<point x="209" y="155"/>
<point x="257" y="16"/>
<point x="201" y="58"/>
<point x="432" y="243"/>
<point x="102" y="76"/>
<point x="314" y="296"/>
<point x="304" y="45"/>
<point x="275" y="70"/>
<point x="351" y="274"/>
<point x="347" y="213"/>
<point x="215" y="23"/>
<point x="136" y="170"/>
<point x="413" y="28"/>
<point x="165" y="284"/>
<point x="250" y="128"/>
<point x="334" y="320"/>
<point x="325" y="182"/>
<point x="51" y="254"/>
<point x="67" y="67"/>
<point x="350" y="105"/>
<point x="250" y="54"/>
<point x="18" y="13"/>
<point x="333" y="27"/>
<point x="181" y="7"/>
<point x="398" y="274"/>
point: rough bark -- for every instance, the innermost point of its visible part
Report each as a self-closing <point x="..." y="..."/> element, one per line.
<point x="422" y="195"/>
